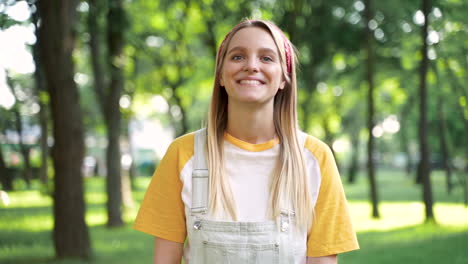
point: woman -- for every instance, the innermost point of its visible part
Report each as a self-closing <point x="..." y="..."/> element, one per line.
<point x="250" y="188"/>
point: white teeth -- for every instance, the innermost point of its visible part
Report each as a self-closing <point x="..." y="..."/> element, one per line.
<point x="250" y="82"/>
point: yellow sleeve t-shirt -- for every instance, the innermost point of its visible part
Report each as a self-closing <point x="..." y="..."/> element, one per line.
<point x="249" y="167"/>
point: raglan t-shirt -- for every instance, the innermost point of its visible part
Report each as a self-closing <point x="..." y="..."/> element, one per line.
<point x="249" y="168"/>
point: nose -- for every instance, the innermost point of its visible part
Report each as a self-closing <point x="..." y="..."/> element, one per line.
<point x="251" y="65"/>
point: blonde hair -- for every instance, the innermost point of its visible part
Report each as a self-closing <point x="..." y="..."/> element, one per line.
<point x="289" y="185"/>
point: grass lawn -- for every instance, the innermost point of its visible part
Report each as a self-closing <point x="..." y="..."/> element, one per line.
<point x="400" y="236"/>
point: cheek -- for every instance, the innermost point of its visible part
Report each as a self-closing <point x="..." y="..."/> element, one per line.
<point x="278" y="78"/>
<point x="225" y="77"/>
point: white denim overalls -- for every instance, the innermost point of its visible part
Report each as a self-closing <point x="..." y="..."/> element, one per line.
<point x="215" y="242"/>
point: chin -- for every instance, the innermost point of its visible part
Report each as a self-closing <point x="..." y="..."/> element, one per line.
<point x="251" y="100"/>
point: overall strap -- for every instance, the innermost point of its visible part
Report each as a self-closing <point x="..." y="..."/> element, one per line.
<point x="199" y="175"/>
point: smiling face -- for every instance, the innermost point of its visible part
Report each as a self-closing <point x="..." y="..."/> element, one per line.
<point x="251" y="71"/>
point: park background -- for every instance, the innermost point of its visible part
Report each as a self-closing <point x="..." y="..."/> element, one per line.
<point x="92" y="92"/>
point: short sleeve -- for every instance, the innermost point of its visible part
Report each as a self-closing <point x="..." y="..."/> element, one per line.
<point x="162" y="212"/>
<point x="332" y="231"/>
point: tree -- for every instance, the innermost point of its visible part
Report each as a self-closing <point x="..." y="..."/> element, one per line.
<point x="442" y="131"/>
<point x="173" y="60"/>
<point x="423" y="167"/>
<point x="56" y="44"/>
<point x="348" y="121"/>
<point x="112" y="115"/>
<point x="370" y="112"/>
<point x="404" y="135"/>
<point x="5" y="177"/>
<point x="24" y="150"/>
<point x="109" y="91"/>
<point x="41" y="94"/>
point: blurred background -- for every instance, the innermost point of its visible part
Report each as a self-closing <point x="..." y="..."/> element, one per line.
<point x="93" y="92"/>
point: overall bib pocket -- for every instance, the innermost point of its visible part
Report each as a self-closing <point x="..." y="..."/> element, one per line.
<point x="228" y="253"/>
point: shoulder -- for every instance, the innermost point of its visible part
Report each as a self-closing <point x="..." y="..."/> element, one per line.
<point x="180" y="151"/>
<point x="184" y="140"/>
<point x="321" y="154"/>
<point x="316" y="147"/>
<point x="183" y="144"/>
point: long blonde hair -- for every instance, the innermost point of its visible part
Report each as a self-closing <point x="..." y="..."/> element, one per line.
<point x="289" y="185"/>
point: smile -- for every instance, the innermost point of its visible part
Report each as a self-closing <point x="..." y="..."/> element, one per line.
<point x="250" y="82"/>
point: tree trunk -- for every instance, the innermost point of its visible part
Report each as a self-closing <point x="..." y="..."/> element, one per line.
<point x="5" y="176"/>
<point x="368" y="14"/>
<point x="444" y="146"/>
<point x="442" y="127"/>
<point x="131" y="151"/>
<point x="115" y="42"/>
<point x="39" y="79"/>
<point x="423" y="168"/>
<point x="57" y="39"/>
<point x="354" y="164"/>
<point x="329" y="138"/>
<point x="183" y="122"/>
<point x="404" y="136"/>
<point x="96" y="10"/>
<point x="108" y="94"/>
<point x="406" y="149"/>
<point x="24" y="150"/>
<point x="127" y="197"/>
<point x="113" y="179"/>
<point x="43" y="117"/>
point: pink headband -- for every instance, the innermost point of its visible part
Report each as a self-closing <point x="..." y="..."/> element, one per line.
<point x="287" y="47"/>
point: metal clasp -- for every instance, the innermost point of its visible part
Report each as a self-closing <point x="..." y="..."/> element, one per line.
<point x="284" y="222"/>
<point x="284" y="226"/>
<point x="197" y="225"/>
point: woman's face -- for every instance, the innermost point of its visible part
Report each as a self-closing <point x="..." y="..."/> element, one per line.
<point x="251" y="71"/>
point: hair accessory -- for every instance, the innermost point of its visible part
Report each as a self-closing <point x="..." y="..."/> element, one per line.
<point x="287" y="51"/>
<point x="287" y="48"/>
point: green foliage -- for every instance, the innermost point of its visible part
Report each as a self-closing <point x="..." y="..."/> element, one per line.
<point x="6" y="21"/>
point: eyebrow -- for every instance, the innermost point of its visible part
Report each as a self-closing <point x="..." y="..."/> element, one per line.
<point x="239" y="48"/>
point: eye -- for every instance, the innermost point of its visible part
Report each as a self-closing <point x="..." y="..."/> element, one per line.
<point x="236" y="57"/>
<point x="267" y="58"/>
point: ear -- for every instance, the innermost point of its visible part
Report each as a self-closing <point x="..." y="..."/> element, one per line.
<point x="282" y="85"/>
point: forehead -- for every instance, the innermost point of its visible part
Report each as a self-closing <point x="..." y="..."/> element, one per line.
<point x="252" y="38"/>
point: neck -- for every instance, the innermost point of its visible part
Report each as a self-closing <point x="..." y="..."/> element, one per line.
<point x="251" y="124"/>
